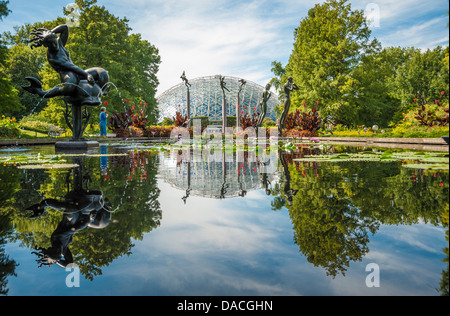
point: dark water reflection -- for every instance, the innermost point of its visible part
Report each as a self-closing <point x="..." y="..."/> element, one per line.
<point x="149" y="223"/>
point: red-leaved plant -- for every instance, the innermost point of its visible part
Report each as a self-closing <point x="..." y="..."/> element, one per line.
<point x="304" y="120"/>
<point x="432" y="117"/>
<point x="246" y="120"/>
<point x="180" y="120"/>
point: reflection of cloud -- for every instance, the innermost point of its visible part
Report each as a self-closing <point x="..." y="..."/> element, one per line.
<point x="217" y="226"/>
<point x="214" y="247"/>
<point x="408" y="258"/>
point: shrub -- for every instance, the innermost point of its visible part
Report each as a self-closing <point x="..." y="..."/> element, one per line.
<point x="297" y="132"/>
<point x="38" y="126"/>
<point x="268" y="122"/>
<point x="158" y="131"/>
<point x="9" y="127"/>
<point x="167" y="121"/>
<point x="247" y="120"/>
<point x="127" y="123"/>
<point x="304" y="120"/>
<point x="180" y="120"/>
<point x="432" y="115"/>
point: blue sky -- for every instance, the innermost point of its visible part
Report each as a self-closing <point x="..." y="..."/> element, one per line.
<point x="242" y="38"/>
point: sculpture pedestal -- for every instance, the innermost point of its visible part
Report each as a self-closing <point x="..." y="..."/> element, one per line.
<point x="76" y="145"/>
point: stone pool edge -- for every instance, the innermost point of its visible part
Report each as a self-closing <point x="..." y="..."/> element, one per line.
<point x="427" y="144"/>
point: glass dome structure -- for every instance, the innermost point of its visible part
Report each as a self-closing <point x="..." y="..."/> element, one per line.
<point x="206" y="99"/>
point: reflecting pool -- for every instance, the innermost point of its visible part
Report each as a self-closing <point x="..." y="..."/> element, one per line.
<point x="139" y="219"/>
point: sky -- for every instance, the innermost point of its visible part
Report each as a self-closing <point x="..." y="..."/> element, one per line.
<point x="242" y="38"/>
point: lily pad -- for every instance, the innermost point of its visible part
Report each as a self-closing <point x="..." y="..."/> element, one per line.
<point x="430" y="160"/>
<point x="426" y="166"/>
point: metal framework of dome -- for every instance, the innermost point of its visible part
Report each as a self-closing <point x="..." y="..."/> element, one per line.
<point x="206" y="99"/>
<point x="210" y="178"/>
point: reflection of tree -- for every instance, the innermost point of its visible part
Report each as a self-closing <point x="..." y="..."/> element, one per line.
<point x="139" y="213"/>
<point x="7" y="266"/>
<point x="444" y="285"/>
<point x="329" y="230"/>
<point x="338" y="205"/>
<point x="10" y="183"/>
<point x="131" y="187"/>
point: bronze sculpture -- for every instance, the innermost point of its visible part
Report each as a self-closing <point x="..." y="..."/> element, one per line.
<point x="238" y="105"/>
<point x="264" y="98"/>
<point x="79" y="88"/>
<point x="188" y="98"/>
<point x="224" y="105"/>
<point x="288" y="88"/>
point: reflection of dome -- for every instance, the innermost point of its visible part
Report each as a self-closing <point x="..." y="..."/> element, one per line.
<point x="212" y="179"/>
<point x="207" y="98"/>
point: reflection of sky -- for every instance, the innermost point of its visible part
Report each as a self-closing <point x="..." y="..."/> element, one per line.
<point x="242" y="247"/>
<point x="239" y="246"/>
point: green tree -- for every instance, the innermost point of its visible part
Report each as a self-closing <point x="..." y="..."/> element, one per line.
<point x="375" y="104"/>
<point x="99" y="40"/>
<point x="424" y="75"/>
<point x="104" y="40"/>
<point x="9" y="101"/>
<point x="24" y="62"/>
<point x="329" y="44"/>
<point x="4" y="9"/>
<point x="279" y="71"/>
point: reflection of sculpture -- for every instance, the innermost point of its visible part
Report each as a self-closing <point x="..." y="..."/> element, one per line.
<point x="81" y="208"/>
<point x="71" y="223"/>
<point x="78" y="87"/>
<point x="288" y="88"/>
<point x="264" y="98"/>
<point x="266" y="183"/>
<point x="288" y="191"/>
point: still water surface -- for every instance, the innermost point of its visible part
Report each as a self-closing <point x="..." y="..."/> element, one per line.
<point x="145" y="223"/>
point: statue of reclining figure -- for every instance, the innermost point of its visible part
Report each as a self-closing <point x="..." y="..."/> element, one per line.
<point x="80" y="87"/>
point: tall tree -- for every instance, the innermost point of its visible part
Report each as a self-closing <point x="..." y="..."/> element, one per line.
<point x="99" y="39"/>
<point x="9" y="101"/>
<point x="424" y="75"/>
<point x="104" y="40"/>
<point x="329" y="43"/>
<point x="4" y="11"/>
<point x="279" y="71"/>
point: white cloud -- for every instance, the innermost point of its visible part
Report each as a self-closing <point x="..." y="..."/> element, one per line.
<point x="421" y="35"/>
<point x="241" y="38"/>
<point x="203" y="39"/>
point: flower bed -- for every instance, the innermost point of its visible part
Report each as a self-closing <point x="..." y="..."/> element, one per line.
<point x="9" y="127"/>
